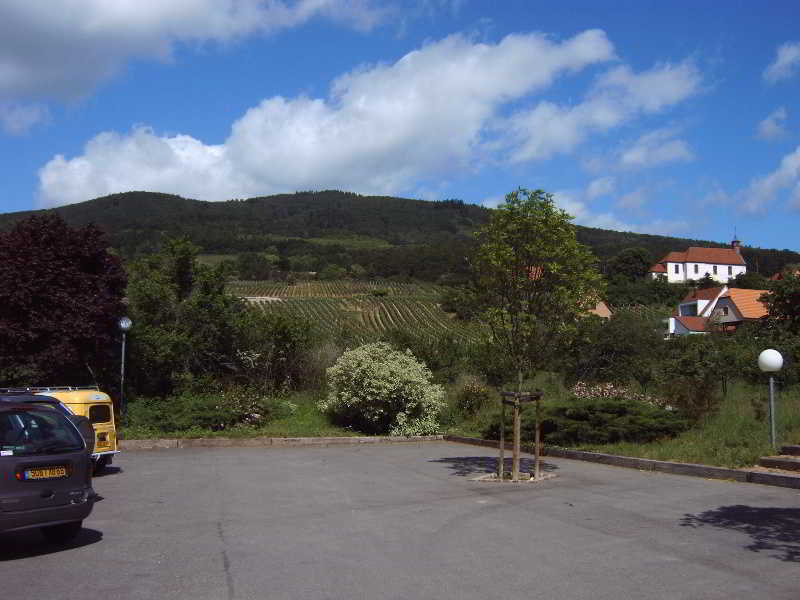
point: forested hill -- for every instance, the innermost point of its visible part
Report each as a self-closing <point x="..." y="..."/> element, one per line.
<point x="138" y="221"/>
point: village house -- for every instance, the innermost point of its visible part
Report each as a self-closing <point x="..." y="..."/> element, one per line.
<point x="723" y="307"/>
<point x="722" y="264"/>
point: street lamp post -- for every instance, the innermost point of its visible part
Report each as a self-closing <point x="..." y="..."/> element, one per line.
<point x="770" y="361"/>
<point x="124" y="325"/>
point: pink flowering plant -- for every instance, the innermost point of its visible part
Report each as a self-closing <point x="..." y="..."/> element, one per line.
<point x="604" y="391"/>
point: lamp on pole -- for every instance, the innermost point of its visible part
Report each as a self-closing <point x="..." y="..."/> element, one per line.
<point x="770" y="361"/>
<point x="124" y="325"/>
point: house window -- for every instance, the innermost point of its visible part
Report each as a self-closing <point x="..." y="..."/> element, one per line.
<point x="724" y="311"/>
<point x="677" y="268"/>
<point x="715" y="269"/>
<point x="695" y="268"/>
<point x="730" y="270"/>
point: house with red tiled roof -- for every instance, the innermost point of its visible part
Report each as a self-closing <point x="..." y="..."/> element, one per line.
<point x="722" y="307"/>
<point x="722" y="264"/>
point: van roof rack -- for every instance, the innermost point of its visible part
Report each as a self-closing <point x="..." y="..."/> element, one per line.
<point x="48" y="388"/>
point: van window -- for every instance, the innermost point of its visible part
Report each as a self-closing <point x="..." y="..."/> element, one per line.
<point x="99" y="413"/>
<point x="37" y="431"/>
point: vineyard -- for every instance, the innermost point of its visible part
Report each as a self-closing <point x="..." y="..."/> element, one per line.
<point x="366" y="308"/>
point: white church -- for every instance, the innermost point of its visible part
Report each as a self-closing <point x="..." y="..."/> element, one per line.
<point x="722" y="264"/>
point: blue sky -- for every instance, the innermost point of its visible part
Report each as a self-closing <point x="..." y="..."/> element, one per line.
<point x="680" y="118"/>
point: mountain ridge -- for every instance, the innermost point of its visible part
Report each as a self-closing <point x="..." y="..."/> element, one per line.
<point x="136" y="223"/>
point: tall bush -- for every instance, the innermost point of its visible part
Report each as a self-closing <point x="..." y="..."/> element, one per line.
<point x="378" y="389"/>
<point x="690" y="375"/>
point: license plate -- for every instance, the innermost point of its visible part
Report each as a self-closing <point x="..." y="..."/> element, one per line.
<point x="46" y="473"/>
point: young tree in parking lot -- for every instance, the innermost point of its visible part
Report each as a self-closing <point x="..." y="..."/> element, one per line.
<point x="59" y="304"/>
<point x="534" y="281"/>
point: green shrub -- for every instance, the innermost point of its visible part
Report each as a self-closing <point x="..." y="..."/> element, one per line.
<point x="377" y="389"/>
<point x="275" y="351"/>
<point x="607" y="421"/>
<point x="690" y="376"/>
<point x="598" y="421"/>
<point x="211" y="411"/>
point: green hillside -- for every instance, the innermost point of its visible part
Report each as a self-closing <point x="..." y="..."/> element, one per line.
<point x="389" y="237"/>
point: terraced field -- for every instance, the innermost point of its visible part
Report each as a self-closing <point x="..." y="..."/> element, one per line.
<point x="365" y="307"/>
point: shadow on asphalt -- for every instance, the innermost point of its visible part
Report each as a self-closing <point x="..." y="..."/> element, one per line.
<point x="772" y="530"/>
<point x="30" y="543"/>
<point x="466" y="466"/>
<point x="108" y="471"/>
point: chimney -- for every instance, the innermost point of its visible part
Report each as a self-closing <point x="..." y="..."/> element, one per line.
<point x="737" y="246"/>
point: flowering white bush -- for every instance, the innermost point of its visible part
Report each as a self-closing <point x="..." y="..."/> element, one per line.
<point x="378" y="389"/>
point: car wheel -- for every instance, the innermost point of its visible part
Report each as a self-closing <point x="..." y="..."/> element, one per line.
<point x="58" y="534"/>
<point x="100" y="464"/>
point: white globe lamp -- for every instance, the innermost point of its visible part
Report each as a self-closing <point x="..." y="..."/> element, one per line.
<point x="770" y="361"/>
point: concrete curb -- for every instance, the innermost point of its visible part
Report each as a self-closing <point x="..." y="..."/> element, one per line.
<point x="646" y="464"/>
<point x="273" y="442"/>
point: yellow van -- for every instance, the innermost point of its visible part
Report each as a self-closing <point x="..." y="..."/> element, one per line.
<point x="95" y="405"/>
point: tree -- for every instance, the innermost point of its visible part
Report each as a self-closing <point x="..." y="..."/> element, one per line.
<point x="253" y="266"/>
<point x="185" y="322"/>
<point x="628" y="346"/>
<point x="59" y="304"/>
<point x="783" y="303"/>
<point x="750" y="281"/>
<point x="706" y="282"/>
<point x="632" y="264"/>
<point x="645" y="292"/>
<point x="533" y="280"/>
<point x="690" y="374"/>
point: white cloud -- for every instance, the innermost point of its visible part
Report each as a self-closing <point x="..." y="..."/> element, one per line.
<point x="616" y="97"/>
<point x="772" y="127"/>
<point x="64" y="48"/>
<point x="763" y="190"/>
<point x="574" y="202"/>
<point x="570" y="201"/>
<point x="383" y="128"/>
<point x="794" y="197"/>
<point x="602" y="186"/>
<point x="634" y="200"/>
<point x="138" y="161"/>
<point x="786" y="63"/>
<point x="16" y="119"/>
<point x="717" y="196"/>
<point x="655" y="148"/>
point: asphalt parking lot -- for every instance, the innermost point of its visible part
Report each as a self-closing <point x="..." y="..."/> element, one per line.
<point x="406" y="521"/>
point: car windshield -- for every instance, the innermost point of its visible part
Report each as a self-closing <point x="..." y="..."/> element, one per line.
<point x="37" y="431"/>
